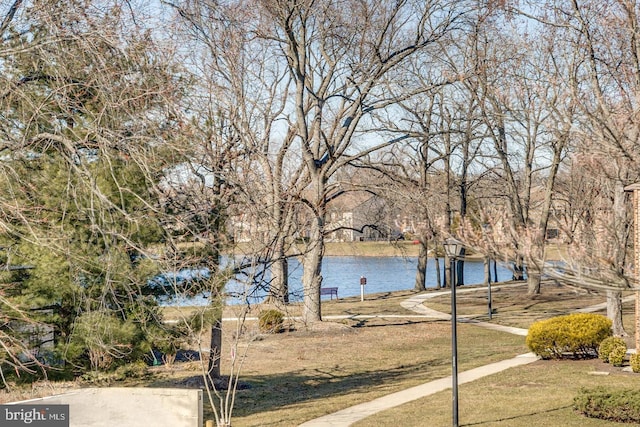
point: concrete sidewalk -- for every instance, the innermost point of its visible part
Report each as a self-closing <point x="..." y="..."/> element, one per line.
<point x="350" y="415"/>
<point x="355" y="413"/>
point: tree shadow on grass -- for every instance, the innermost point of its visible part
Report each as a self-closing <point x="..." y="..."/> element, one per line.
<point x="516" y="417"/>
<point x="264" y="393"/>
<point x="271" y="392"/>
<point x="370" y="322"/>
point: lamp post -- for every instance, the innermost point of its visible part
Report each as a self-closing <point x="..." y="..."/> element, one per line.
<point x="485" y="228"/>
<point x="489" y="300"/>
<point x="453" y="249"/>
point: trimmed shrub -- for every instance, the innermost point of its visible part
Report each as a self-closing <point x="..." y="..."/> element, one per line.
<point x="613" y="405"/>
<point x="634" y="361"/>
<point x="576" y="335"/>
<point x="607" y="346"/>
<point x="270" y="321"/>
<point x="617" y="355"/>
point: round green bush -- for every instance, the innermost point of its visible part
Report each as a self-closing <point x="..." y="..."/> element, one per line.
<point x="574" y="335"/>
<point x="271" y="321"/>
<point x="607" y="345"/>
<point x="617" y="355"/>
<point x="634" y="361"/>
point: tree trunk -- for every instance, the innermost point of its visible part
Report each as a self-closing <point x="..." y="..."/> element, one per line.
<point x="518" y="269"/>
<point x="312" y="274"/>
<point x="533" y="282"/>
<point x="614" y="298"/>
<point x="279" y="283"/>
<point x="537" y="261"/>
<point x="421" y="272"/>
<point x="534" y="268"/>
<point x="487" y="271"/>
<point x="213" y="370"/>
<point x="436" y="261"/>
<point x="614" y="312"/>
<point x="281" y="227"/>
<point x="217" y="302"/>
<point x="447" y="272"/>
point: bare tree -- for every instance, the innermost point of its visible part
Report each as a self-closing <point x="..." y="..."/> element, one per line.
<point x="421" y="171"/>
<point x="527" y="127"/>
<point x="418" y="177"/>
<point x="339" y="55"/>
<point x="602" y="39"/>
<point x="595" y="214"/>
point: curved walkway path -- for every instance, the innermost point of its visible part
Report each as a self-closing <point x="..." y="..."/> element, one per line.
<point x="350" y="415"/>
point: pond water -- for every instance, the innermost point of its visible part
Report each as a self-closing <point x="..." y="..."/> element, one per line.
<point x="383" y="274"/>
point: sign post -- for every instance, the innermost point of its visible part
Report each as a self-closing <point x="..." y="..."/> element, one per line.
<point x="363" y="281"/>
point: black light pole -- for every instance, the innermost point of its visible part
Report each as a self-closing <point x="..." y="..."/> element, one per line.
<point x="489" y="303"/>
<point x="453" y="248"/>
<point x="454" y="345"/>
<point x="485" y="227"/>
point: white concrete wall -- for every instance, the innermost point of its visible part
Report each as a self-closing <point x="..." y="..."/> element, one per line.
<point x="130" y="407"/>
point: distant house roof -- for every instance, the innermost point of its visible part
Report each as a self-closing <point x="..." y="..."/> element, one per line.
<point x="352" y="200"/>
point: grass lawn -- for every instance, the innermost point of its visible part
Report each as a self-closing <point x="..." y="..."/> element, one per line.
<point x="292" y="377"/>
<point x="540" y="394"/>
<point x="399" y="248"/>
<point x="299" y="375"/>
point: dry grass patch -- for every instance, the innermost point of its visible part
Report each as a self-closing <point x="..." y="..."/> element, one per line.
<point x="540" y="394"/>
<point x="399" y="248"/>
<point x="513" y="307"/>
<point x="21" y="391"/>
<point x="298" y="376"/>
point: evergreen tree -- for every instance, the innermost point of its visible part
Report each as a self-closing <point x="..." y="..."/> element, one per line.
<point x="85" y="129"/>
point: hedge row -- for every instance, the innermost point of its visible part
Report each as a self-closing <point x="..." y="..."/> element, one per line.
<point x="613" y="405"/>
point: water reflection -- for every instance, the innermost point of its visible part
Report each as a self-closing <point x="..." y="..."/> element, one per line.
<point x="384" y="274"/>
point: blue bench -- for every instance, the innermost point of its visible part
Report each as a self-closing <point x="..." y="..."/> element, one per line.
<point x="329" y="291"/>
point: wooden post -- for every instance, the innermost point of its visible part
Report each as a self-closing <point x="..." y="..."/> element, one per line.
<point x="209" y="423"/>
<point x="635" y="188"/>
<point x="636" y="260"/>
